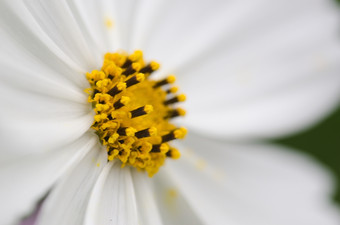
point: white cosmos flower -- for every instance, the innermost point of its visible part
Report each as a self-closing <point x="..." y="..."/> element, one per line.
<point x="251" y="70"/>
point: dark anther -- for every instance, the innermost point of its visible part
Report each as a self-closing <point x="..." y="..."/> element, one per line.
<point x="171" y="100"/>
<point x="106" y="138"/>
<point x="110" y="151"/>
<point x="146" y="69"/>
<point x="95" y="92"/>
<point x="130" y="70"/>
<point x="138" y="112"/>
<point x="168" y="154"/>
<point x="127" y="63"/>
<point x="143" y="133"/>
<point x="122" y="131"/>
<point x="161" y="83"/>
<point x="156" y="148"/>
<point x="109" y="116"/>
<point x="132" y="81"/>
<point x="114" y="91"/>
<point x="172" y="114"/>
<point x="118" y="104"/>
<point x="168" y="137"/>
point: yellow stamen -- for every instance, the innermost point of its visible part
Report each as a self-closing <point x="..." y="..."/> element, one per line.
<point x="181" y="111"/>
<point x="180" y="133"/>
<point x="171" y="79"/>
<point x="154" y="65"/>
<point x="133" y="112"/>
<point x="174" y="153"/>
<point x="153" y="131"/>
<point x="138" y="54"/>
<point x="173" y="90"/>
<point x="182" y="98"/>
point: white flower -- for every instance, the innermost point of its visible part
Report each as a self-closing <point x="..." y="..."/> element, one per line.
<point x="251" y="70"/>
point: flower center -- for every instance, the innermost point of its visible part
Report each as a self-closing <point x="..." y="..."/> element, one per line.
<point x="133" y="112"/>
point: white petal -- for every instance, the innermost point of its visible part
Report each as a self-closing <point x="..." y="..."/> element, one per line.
<point x="122" y="13"/>
<point x="39" y="73"/>
<point x="68" y="200"/>
<point x="27" y="179"/>
<point x="148" y="212"/>
<point x="298" y="106"/>
<point x="253" y="184"/>
<point x="174" y="208"/>
<point x="99" y="21"/>
<point x="53" y="42"/>
<point x="113" y="198"/>
<point x="33" y="122"/>
<point x="23" y="36"/>
<point x="41" y="85"/>
<point x="55" y="26"/>
<point x="249" y="68"/>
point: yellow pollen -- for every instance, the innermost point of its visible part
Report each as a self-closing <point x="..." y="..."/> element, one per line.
<point x="154" y="65"/>
<point x="140" y="77"/>
<point x="173" y="89"/>
<point x="137" y="66"/>
<point x="180" y="133"/>
<point x="113" y="138"/>
<point x="171" y="79"/>
<point x="153" y="131"/>
<point x="172" y="193"/>
<point x="133" y="112"/>
<point x="148" y="108"/>
<point x="125" y="100"/>
<point x="182" y="98"/>
<point x="164" y="148"/>
<point x="175" y="154"/>
<point x="108" y="23"/>
<point x="130" y="131"/>
<point x="121" y="86"/>
<point x="181" y="111"/>
<point x="137" y="55"/>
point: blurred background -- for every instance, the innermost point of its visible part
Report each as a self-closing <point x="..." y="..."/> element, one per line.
<point x="323" y="142"/>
